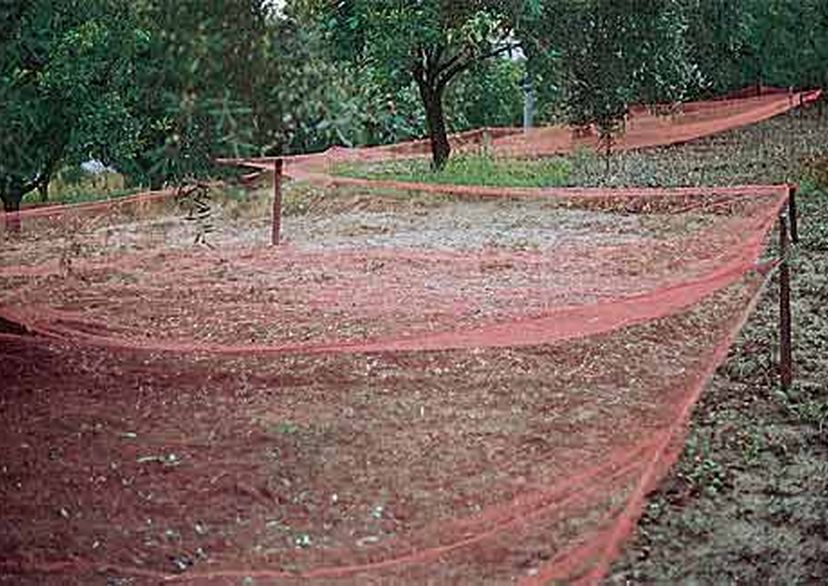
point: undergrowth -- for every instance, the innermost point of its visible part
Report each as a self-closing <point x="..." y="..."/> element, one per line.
<point x="469" y="169"/>
<point x="73" y="185"/>
<point x="73" y="196"/>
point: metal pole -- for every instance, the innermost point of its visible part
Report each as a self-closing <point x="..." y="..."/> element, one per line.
<point x="785" y="350"/>
<point x="528" y="104"/>
<point x="277" y="202"/>
<point x="792" y="213"/>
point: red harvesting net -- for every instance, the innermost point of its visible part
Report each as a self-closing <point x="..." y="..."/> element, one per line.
<point x="644" y="129"/>
<point x="413" y="389"/>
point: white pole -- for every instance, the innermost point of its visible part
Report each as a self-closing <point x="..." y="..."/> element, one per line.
<point x="528" y="104"/>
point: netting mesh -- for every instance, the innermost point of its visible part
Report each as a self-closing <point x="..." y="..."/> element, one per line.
<point x="419" y="388"/>
<point x="581" y="273"/>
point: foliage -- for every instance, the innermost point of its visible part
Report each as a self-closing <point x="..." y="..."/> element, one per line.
<point x="65" y="88"/>
<point x="607" y="56"/>
<point x="74" y="185"/>
<point x="357" y="107"/>
<point x="488" y="94"/>
<point x="159" y="88"/>
<point x="223" y="79"/>
<point x="195" y="88"/>
<point x="156" y="88"/>
<point x="772" y="42"/>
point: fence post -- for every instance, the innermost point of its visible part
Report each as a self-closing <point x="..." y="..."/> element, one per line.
<point x="785" y="350"/>
<point x="792" y="214"/>
<point x="277" y="202"/>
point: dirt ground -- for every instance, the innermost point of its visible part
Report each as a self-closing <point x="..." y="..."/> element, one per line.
<point x="194" y="466"/>
<point x="748" y="501"/>
<point x="355" y="267"/>
<point x="134" y="465"/>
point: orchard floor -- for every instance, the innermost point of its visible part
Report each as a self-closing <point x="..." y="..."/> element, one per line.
<point x="134" y="452"/>
<point x="746" y="503"/>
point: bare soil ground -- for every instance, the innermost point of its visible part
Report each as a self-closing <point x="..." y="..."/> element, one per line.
<point x="748" y="502"/>
<point x="355" y="266"/>
<point x="126" y="467"/>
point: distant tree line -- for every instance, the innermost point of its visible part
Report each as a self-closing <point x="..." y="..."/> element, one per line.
<point x="159" y="88"/>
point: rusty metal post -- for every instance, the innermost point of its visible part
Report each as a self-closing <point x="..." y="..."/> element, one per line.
<point x="277" y="202"/>
<point x="785" y="346"/>
<point x="792" y="213"/>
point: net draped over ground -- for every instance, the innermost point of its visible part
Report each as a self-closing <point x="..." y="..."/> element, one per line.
<point x="477" y="384"/>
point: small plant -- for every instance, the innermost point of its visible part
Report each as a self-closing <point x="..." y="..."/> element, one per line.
<point x="286" y="428"/>
<point x="753" y="444"/>
<point x="609" y="128"/>
<point x="195" y="200"/>
<point x="810" y="410"/>
<point x="703" y="473"/>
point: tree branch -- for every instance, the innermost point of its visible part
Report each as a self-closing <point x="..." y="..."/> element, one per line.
<point x="452" y="61"/>
<point x="434" y="56"/>
<point x="498" y="51"/>
<point x="418" y="69"/>
<point x="459" y="65"/>
<point x="31" y="186"/>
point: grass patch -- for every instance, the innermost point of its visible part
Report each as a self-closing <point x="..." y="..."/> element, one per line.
<point x="468" y="169"/>
<point x="784" y="148"/>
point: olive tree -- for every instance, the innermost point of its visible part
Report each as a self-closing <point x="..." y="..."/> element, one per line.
<point x="429" y="43"/>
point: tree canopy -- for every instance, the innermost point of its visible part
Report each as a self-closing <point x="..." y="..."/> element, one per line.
<point x="65" y="88"/>
<point x="606" y="56"/>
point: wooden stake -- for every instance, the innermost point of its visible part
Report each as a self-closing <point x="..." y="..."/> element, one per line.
<point x="277" y="202"/>
<point x="792" y="213"/>
<point x="785" y="345"/>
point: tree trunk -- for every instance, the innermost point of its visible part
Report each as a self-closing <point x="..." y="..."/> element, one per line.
<point x="436" y="124"/>
<point x="46" y="176"/>
<point x="11" y="207"/>
<point x="156" y="181"/>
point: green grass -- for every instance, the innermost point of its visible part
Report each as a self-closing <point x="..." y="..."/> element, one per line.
<point x="773" y="151"/>
<point x="469" y="169"/>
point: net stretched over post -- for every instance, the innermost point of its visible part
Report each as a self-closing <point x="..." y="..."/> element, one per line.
<point x="473" y="385"/>
<point x="369" y="405"/>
